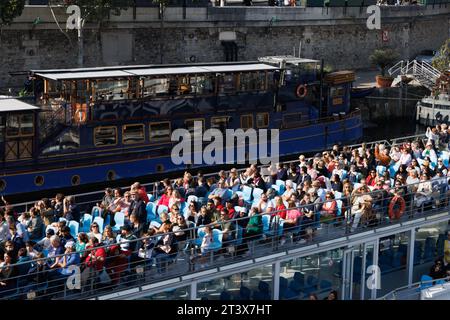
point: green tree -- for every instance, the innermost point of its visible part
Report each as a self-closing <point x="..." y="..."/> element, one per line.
<point x="383" y="58"/>
<point x="10" y="9"/>
<point x="442" y="61"/>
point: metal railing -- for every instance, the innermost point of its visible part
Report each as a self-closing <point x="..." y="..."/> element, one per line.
<point x="127" y="268"/>
<point x="413" y="291"/>
<point x="422" y="71"/>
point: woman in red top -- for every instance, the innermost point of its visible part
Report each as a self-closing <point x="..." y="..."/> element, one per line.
<point x="280" y="208"/>
<point x="166" y="197"/>
<point x="371" y="178"/>
<point x="97" y="256"/>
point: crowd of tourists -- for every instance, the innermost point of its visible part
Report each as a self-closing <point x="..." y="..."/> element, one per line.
<point x="346" y="187"/>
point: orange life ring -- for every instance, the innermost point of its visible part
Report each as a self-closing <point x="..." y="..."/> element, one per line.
<point x="80" y="114"/>
<point x="398" y="212"/>
<point x="301" y="91"/>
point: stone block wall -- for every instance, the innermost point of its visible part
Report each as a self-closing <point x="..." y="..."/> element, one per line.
<point x="338" y="35"/>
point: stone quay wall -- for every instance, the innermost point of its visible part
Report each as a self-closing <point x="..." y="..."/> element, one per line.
<point x="337" y="35"/>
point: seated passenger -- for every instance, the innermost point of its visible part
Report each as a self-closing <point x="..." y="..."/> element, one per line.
<point x="329" y="209"/>
<point x="424" y="191"/>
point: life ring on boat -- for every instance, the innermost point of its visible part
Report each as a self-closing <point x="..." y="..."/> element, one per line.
<point x="301" y="91"/>
<point x="396" y="207"/>
<point x="80" y="114"/>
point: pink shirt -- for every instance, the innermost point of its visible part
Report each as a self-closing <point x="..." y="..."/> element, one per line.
<point x="293" y="214"/>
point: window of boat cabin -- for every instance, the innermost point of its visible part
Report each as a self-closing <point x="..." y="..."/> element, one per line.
<point x="155" y="87"/>
<point x="189" y="124"/>
<point x="105" y="136"/>
<point x="220" y="123"/>
<point x="247" y="121"/>
<point x="262" y="120"/>
<point x="20" y="125"/>
<point x="252" y="81"/>
<point x="69" y="140"/>
<point x="304" y="70"/>
<point x="337" y="95"/>
<point x="160" y="131"/>
<point x="110" y="89"/>
<point x="53" y="91"/>
<point x="133" y="133"/>
<point x="203" y="84"/>
<point x="227" y="83"/>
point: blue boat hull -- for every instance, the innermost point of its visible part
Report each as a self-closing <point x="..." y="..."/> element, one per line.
<point x="316" y="137"/>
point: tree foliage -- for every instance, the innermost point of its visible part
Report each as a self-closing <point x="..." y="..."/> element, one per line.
<point x="442" y="61"/>
<point x="99" y="10"/>
<point x="383" y="58"/>
<point x="10" y="9"/>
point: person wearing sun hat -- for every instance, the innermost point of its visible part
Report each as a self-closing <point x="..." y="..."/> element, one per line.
<point x="429" y="152"/>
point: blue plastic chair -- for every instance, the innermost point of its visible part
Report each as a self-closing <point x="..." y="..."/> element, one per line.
<point x="74" y="225"/>
<point x="282" y="186"/>
<point x="339" y="207"/>
<point x="162" y="208"/>
<point x="277" y="188"/>
<point x="247" y="194"/>
<point x="151" y="214"/>
<point x="425" y="282"/>
<point x="297" y="283"/>
<point x="266" y="223"/>
<point x="119" y="219"/>
<point x="325" y="285"/>
<point x="257" y="192"/>
<point x="200" y="234"/>
<point x="95" y="212"/>
<point x="107" y="220"/>
<point x="217" y="239"/>
<point x="100" y="222"/>
<point x="86" y="222"/>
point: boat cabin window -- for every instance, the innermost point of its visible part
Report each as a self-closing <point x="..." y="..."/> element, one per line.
<point x="155" y="87"/>
<point x="105" y="136"/>
<point x="297" y="71"/>
<point x="20" y="125"/>
<point x="252" y="81"/>
<point x="189" y="124"/>
<point x="220" y="123"/>
<point x="247" y="121"/>
<point x="262" y="120"/>
<point x="160" y="131"/>
<point x="107" y="90"/>
<point x="69" y="140"/>
<point x="133" y="133"/>
<point x="337" y="92"/>
<point x="203" y="85"/>
<point x="227" y="83"/>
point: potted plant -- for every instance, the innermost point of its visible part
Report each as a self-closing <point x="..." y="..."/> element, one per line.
<point x="383" y="58"/>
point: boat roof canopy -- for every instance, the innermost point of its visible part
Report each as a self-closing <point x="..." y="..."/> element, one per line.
<point x="10" y="105"/>
<point x="287" y="59"/>
<point x="143" y="71"/>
